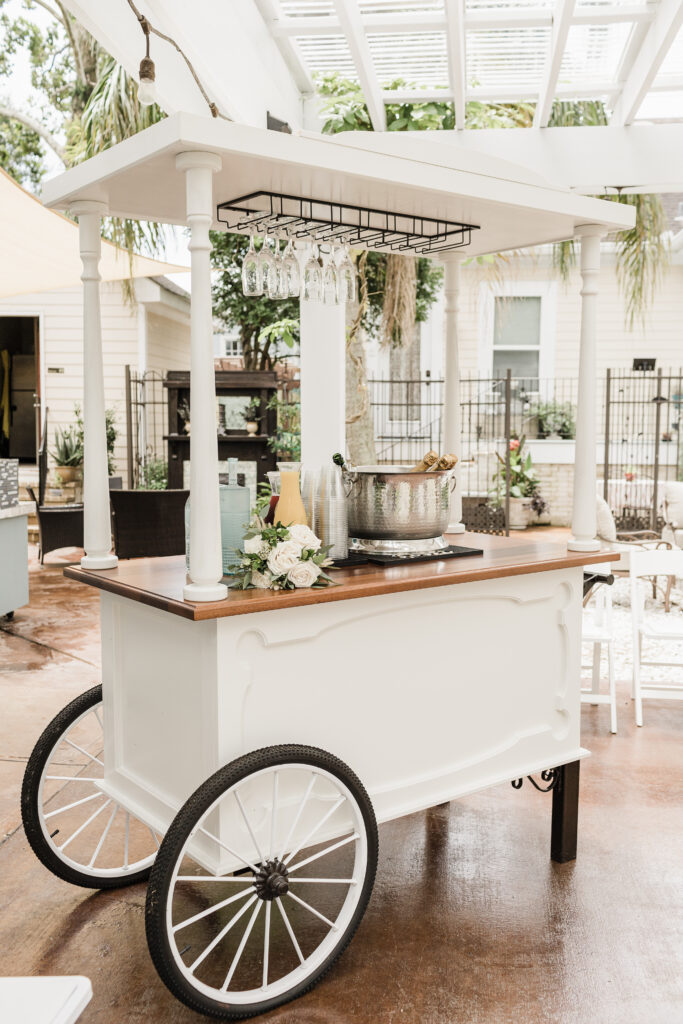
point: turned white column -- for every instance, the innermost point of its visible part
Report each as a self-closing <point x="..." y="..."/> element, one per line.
<point x="206" y="564"/>
<point x="452" y="425"/>
<point x="96" y="516"/>
<point x="584" y="525"/>
<point x="323" y="382"/>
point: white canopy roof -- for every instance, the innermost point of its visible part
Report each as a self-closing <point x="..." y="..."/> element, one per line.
<point x="513" y="207"/>
<point x="39" y="248"/>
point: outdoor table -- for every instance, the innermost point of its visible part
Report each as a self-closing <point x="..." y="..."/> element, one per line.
<point x="14" y="556"/>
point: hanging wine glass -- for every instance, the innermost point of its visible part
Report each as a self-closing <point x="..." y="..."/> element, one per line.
<point x="252" y="283"/>
<point x="313" y="278"/>
<point x="346" y="273"/>
<point x="292" y="273"/>
<point x="268" y="268"/>
<point x="330" y="283"/>
<point x="273" y="286"/>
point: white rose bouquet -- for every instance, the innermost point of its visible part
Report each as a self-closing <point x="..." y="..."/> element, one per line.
<point x="281" y="558"/>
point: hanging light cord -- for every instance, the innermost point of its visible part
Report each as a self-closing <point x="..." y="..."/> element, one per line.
<point x="148" y="30"/>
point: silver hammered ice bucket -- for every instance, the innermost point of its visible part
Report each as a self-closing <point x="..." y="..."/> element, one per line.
<point x="389" y="503"/>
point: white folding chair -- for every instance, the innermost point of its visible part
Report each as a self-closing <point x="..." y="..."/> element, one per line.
<point x="647" y="627"/>
<point x="597" y="630"/>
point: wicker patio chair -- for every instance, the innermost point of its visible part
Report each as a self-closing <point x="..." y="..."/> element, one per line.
<point x="148" y="524"/>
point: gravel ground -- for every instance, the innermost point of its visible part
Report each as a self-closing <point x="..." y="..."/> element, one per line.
<point x="654" y="650"/>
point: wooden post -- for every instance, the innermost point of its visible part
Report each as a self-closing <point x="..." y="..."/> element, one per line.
<point x="96" y="514"/>
<point x="452" y="417"/>
<point x="206" y="562"/>
<point x="584" y="521"/>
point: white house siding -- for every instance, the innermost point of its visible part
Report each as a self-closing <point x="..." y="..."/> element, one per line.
<point x="661" y="336"/>
<point x="61" y="339"/>
<point x="168" y="345"/>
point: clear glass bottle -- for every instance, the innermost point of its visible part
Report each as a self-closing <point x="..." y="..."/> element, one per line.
<point x="235" y="505"/>
<point x="235" y="512"/>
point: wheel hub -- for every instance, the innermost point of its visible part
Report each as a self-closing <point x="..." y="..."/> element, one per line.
<point x="272" y="880"/>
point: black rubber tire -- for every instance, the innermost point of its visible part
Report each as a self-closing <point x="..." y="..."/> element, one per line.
<point x="30" y="795"/>
<point x="172" y="844"/>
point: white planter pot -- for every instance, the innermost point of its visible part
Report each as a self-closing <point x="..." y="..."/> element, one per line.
<point x="520" y="513"/>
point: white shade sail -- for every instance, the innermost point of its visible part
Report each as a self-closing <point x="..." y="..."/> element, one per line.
<point x="39" y="248"/>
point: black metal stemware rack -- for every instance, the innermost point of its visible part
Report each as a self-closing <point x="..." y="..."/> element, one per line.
<point x="327" y="222"/>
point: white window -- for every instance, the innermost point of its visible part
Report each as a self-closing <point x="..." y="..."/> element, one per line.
<point x="517" y="332"/>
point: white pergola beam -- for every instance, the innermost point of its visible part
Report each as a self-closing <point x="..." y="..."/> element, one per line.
<point x="587" y="90"/>
<point x="351" y="22"/>
<point x="270" y="12"/>
<point x="656" y="45"/>
<point x="477" y="21"/>
<point x="637" y="158"/>
<point x="455" y="37"/>
<point x="562" y="19"/>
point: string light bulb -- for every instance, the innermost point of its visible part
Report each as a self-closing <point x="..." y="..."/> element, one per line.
<point x="147" y="91"/>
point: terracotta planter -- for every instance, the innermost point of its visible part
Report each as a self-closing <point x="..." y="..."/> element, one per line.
<point x="520" y="513"/>
<point x="67" y="474"/>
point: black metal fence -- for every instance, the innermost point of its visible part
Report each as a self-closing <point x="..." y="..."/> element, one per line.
<point x="146" y="423"/>
<point x="642" y="444"/>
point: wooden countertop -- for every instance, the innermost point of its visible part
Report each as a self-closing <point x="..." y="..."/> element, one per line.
<point x="159" y="581"/>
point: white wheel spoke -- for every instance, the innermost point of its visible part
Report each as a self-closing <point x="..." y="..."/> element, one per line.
<point x="273" y="817"/>
<point x="83" y="826"/>
<point x="91" y="757"/>
<point x="289" y="929"/>
<point x="212" y="945"/>
<point x="76" y="803"/>
<point x="313" y="831"/>
<point x="247" y="863"/>
<point x="322" y="853"/>
<point x="266" y="938"/>
<point x="212" y="910"/>
<point x="240" y="948"/>
<point x="313" y="911"/>
<point x="211" y="878"/>
<point x="154" y="837"/>
<point x="103" y="836"/>
<point x="73" y="778"/>
<point x="326" y="881"/>
<point x="246" y="822"/>
<point x="298" y="814"/>
<point x="125" y="842"/>
<point x="97" y="716"/>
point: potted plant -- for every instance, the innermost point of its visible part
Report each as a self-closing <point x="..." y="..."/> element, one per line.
<point x="555" y="420"/>
<point x="523" y="484"/>
<point x="68" y="454"/>
<point x="252" y="416"/>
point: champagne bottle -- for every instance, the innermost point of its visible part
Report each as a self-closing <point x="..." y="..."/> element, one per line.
<point x="426" y="462"/>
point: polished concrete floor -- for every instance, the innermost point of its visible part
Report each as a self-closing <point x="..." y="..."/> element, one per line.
<point x="469" y="923"/>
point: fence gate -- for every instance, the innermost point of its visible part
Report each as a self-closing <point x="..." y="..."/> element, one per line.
<point x="643" y="445"/>
<point x="146" y="422"/>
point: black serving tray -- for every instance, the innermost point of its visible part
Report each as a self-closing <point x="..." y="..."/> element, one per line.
<point x="367" y="557"/>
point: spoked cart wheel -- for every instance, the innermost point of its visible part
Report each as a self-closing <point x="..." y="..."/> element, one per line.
<point x="78" y="832"/>
<point x="261" y="881"/>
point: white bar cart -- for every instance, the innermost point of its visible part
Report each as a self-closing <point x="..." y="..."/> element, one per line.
<point x="244" y="745"/>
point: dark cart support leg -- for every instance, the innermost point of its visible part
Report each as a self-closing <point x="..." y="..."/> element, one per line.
<point x="565" y="814"/>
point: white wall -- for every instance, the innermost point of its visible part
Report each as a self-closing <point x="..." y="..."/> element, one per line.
<point x="661" y="337"/>
<point x="61" y="334"/>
